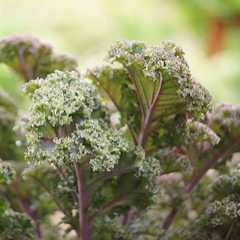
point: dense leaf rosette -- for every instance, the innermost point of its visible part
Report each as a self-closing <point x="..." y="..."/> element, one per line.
<point x="61" y="105"/>
<point x="68" y="123"/>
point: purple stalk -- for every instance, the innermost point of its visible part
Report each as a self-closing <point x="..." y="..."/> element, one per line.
<point x="147" y="120"/>
<point x="84" y="220"/>
<point x="230" y="229"/>
<point x="193" y="183"/>
<point x="195" y="180"/>
<point x="169" y="219"/>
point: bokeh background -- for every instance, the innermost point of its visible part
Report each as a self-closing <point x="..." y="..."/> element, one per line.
<point x="208" y="31"/>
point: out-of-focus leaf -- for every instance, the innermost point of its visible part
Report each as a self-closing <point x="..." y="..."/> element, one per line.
<point x="30" y="58"/>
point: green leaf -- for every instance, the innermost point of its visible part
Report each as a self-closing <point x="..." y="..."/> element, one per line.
<point x="30" y="58"/>
<point x="108" y="191"/>
<point x="14" y="225"/>
<point x="116" y="85"/>
<point x="160" y="84"/>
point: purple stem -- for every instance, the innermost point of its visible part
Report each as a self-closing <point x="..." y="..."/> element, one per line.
<point x="147" y="120"/>
<point x="230" y="229"/>
<point x="169" y="219"/>
<point x="193" y="183"/>
<point x="84" y="220"/>
<point x="64" y="129"/>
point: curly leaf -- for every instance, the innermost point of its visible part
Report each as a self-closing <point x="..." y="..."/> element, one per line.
<point x="160" y="83"/>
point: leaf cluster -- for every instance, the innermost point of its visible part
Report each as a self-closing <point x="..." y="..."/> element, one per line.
<point x="106" y="178"/>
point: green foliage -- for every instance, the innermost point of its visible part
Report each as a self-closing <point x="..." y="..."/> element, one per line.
<point x="30" y="58"/>
<point x="14" y="224"/>
<point x="131" y="180"/>
<point x="154" y="91"/>
<point x="68" y="124"/>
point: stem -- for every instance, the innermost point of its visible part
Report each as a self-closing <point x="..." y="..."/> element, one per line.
<point x="171" y="104"/>
<point x="142" y="136"/>
<point x="84" y="220"/>
<point x="128" y="217"/>
<point x="37" y="63"/>
<point x="169" y="114"/>
<point x="132" y="134"/>
<point x="126" y="221"/>
<point x="169" y="219"/>
<point x="192" y="184"/>
<point x="230" y="229"/>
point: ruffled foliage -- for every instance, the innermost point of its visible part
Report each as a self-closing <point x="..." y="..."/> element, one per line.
<point x="220" y="219"/>
<point x="214" y="199"/>
<point x="154" y="93"/>
<point x="30" y="58"/>
<point x="174" y="162"/>
<point x="224" y="121"/>
<point x="68" y="124"/>
<point x="106" y="180"/>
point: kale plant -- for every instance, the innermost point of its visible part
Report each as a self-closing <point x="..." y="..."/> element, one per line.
<point x="168" y="168"/>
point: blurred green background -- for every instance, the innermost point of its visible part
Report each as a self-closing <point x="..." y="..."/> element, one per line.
<point x="208" y="31"/>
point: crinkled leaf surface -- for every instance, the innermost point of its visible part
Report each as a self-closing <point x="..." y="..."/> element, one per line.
<point x="156" y="80"/>
<point x="68" y="124"/>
